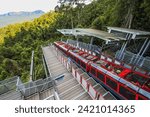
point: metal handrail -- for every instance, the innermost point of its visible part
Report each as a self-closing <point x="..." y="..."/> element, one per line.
<point x="8" y="85"/>
<point x="44" y="84"/>
<point x="93" y="48"/>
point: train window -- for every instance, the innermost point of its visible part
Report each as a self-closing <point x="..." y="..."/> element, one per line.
<point x="111" y="83"/>
<point x="78" y="61"/>
<point x="83" y="65"/>
<point x="100" y="76"/>
<point x="93" y="72"/>
<point x="126" y="93"/>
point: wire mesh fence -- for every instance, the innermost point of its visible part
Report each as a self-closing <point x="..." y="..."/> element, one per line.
<point x="8" y="84"/>
<point x="89" y="47"/>
<point x="33" y="87"/>
<point x="37" y="86"/>
<point x="134" y="59"/>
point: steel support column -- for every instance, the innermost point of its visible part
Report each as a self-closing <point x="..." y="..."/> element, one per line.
<point x="145" y="49"/>
<point x="44" y="66"/>
<point x="77" y="41"/>
<point x="91" y="42"/>
<point x="136" y="58"/>
<point x="32" y="67"/>
<point x="128" y="37"/>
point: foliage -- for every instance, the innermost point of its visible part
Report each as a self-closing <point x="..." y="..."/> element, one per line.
<point x="18" y="40"/>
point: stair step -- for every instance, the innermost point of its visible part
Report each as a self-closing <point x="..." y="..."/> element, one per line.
<point x="11" y="95"/>
<point x="64" y="87"/>
<point x="73" y="92"/>
<point x="45" y="94"/>
<point x="84" y="97"/>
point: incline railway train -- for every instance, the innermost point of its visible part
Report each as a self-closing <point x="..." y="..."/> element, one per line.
<point x="122" y="81"/>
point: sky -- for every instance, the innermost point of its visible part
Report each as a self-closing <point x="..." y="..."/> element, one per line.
<point x="26" y="5"/>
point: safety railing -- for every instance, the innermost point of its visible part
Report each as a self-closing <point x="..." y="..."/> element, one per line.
<point x="30" y="88"/>
<point x="85" y="46"/>
<point x="135" y="60"/>
<point x="128" y="59"/>
<point x="8" y="85"/>
<point x="146" y="64"/>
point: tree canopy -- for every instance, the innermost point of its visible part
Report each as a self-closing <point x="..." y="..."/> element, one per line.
<point x="18" y="40"/>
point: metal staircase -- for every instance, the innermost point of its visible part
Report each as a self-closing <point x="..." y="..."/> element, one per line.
<point x="67" y="88"/>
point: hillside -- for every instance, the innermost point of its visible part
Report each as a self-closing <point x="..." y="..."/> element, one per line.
<point x="15" y="17"/>
<point x="17" y="41"/>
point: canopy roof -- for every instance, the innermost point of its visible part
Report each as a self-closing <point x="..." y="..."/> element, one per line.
<point x="91" y="32"/>
<point x="115" y="33"/>
<point x="135" y="34"/>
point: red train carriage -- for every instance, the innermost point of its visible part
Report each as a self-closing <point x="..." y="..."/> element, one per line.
<point x="83" y="59"/>
<point x="64" y="47"/>
<point x="122" y="81"/>
<point x="126" y="83"/>
<point x="58" y="44"/>
<point x="80" y="61"/>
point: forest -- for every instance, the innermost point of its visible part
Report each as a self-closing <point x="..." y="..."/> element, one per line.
<point x="18" y="40"/>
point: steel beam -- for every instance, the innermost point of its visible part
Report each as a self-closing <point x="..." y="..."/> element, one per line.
<point x="32" y="67"/>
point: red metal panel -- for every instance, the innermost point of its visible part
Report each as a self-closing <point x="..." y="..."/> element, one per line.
<point x="78" y="76"/>
<point x="84" y="83"/>
<point x="73" y="72"/>
<point x="92" y="91"/>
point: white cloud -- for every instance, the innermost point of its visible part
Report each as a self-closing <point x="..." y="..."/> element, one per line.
<point x="26" y="5"/>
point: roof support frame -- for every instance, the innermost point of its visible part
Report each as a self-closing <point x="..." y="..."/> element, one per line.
<point x="140" y="51"/>
<point x="128" y="37"/>
<point x="145" y="49"/>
